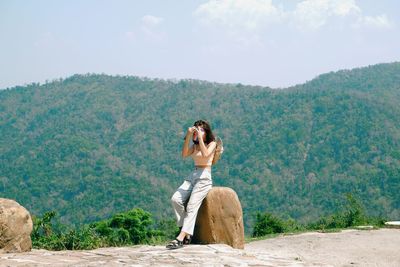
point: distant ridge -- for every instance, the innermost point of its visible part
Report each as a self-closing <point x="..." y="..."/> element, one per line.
<point x="91" y="145"/>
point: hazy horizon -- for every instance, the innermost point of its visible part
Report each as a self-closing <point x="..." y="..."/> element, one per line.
<point x="132" y="75"/>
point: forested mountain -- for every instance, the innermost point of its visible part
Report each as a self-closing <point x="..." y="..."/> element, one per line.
<point x="89" y="146"/>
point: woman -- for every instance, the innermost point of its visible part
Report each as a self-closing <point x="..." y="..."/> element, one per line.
<point x="197" y="184"/>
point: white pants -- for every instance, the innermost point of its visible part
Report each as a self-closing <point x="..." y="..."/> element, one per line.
<point x="191" y="192"/>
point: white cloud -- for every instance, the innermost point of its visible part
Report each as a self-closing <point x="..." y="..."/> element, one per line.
<point x="381" y="21"/>
<point x="151" y="21"/>
<point x="242" y="20"/>
<point x="240" y="17"/>
<point x="313" y="14"/>
<point x="130" y="35"/>
<point x="344" y="7"/>
<point x="247" y="15"/>
<point x="150" y="28"/>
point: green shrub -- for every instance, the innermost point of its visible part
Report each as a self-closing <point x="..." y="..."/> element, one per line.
<point x="82" y="238"/>
<point x="167" y="228"/>
<point x="266" y="223"/>
<point x="351" y="214"/>
<point x="354" y="213"/>
<point x="132" y="227"/>
<point x="42" y="226"/>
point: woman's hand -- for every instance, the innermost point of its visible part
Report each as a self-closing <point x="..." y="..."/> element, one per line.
<point x="200" y="132"/>
<point x="190" y="130"/>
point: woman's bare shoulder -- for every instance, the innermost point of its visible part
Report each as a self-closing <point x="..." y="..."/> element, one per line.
<point x="211" y="143"/>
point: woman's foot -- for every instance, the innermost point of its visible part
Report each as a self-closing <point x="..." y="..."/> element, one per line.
<point x="187" y="239"/>
<point x="174" y="244"/>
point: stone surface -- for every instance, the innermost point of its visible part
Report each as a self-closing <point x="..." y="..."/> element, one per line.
<point x="393" y="224"/>
<point x="220" y="219"/>
<point x="346" y="248"/>
<point x="366" y="248"/>
<point x="15" y="227"/>
<point x="192" y="255"/>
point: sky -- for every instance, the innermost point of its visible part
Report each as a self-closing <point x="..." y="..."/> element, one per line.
<point x="256" y="42"/>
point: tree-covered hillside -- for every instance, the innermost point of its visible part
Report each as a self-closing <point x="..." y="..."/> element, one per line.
<point x="90" y="146"/>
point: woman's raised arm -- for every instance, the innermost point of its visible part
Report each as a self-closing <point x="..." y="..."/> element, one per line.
<point x="207" y="150"/>
<point x="186" y="151"/>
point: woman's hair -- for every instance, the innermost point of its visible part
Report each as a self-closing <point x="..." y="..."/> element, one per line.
<point x="207" y="128"/>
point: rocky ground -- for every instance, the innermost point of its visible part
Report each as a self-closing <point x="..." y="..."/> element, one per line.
<point x="346" y="248"/>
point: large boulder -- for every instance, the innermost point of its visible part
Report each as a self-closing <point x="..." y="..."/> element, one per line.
<point x="15" y="227"/>
<point x="220" y="219"/>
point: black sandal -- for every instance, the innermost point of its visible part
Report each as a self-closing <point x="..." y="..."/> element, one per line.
<point x="186" y="240"/>
<point x="174" y="244"/>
